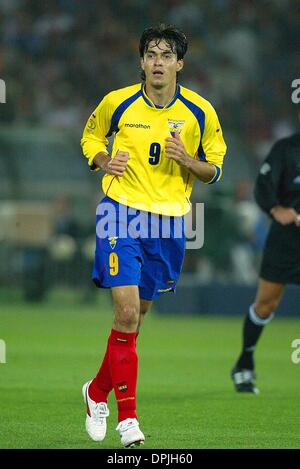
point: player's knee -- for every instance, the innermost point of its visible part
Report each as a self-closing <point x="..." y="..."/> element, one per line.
<point x="127" y="316"/>
<point x="264" y="309"/>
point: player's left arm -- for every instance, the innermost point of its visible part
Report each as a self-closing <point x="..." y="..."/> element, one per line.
<point x="175" y="150"/>
<point x="213" y="149"/>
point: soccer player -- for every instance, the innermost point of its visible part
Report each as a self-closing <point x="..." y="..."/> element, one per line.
<point x="277" y="192"/>
<point x="165" y="136"/>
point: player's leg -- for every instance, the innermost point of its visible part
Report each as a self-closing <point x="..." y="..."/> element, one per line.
<point x="145" y="306"/>
<point x="101" y="386"/>
<point x="117" y="265"/>
<point x="129" y="312"/>
<point x="119" y="368"/>
<point x="126" y="303"/>
<point x="128" y="426"/>
<point x="123" y="361"/>
<point x="260" y="313"/>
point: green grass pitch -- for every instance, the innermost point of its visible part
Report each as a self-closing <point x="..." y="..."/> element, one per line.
<point x="185" y="397"/>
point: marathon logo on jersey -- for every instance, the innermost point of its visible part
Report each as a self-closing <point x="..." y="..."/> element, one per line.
<point x="122" y="387"/>
<point x="113" y="241"/>
<point x="137" y="126"/>
<point x="175" y="126"/>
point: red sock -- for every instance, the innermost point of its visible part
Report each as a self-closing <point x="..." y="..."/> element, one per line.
<point x="101" y="385"/>
<point x="123" y="361"/>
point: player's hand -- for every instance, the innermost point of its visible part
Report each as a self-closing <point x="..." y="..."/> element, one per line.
<point x="285" y="215"/>
<point x="117" y="164"/>
<point x="175" y="150"/>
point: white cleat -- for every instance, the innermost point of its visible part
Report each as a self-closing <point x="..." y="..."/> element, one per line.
<point x="130" y="433"/>
<point x="97" y="412"/>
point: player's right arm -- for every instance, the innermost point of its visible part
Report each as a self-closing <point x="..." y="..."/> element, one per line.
<point x="115" y="166"/>
<point x="94" y="141"/>
<point x="266" y="190"/>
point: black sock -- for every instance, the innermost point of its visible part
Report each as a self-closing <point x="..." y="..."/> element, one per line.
<point x="252" y="329"/>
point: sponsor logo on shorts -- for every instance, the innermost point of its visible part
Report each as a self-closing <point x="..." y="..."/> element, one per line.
<point x="113" y="241"/>
<point x="163" y="290"/>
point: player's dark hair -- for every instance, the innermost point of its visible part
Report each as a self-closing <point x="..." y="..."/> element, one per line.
<point x="175" y="38"/>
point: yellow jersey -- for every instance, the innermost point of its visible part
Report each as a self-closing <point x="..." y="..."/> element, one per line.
<point x="150" y="181"/>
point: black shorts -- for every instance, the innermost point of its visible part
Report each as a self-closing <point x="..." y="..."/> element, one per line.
<point x="281" y="256"/>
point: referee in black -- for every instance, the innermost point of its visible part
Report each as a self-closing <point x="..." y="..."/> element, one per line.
<point x="277" y="192"/>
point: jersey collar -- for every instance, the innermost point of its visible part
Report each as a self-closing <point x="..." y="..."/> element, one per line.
<point x="151" y="103"/>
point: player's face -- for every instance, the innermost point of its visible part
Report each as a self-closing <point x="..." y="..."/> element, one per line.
<point x="160" y="64"/>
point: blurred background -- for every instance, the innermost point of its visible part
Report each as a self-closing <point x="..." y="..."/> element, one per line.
<point x="59" y="58"/>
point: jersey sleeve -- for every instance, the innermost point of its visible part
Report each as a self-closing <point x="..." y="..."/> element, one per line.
<point x="94" y="138"/>
<point x="213" y="144"/>
<point x="268" y="180"/>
